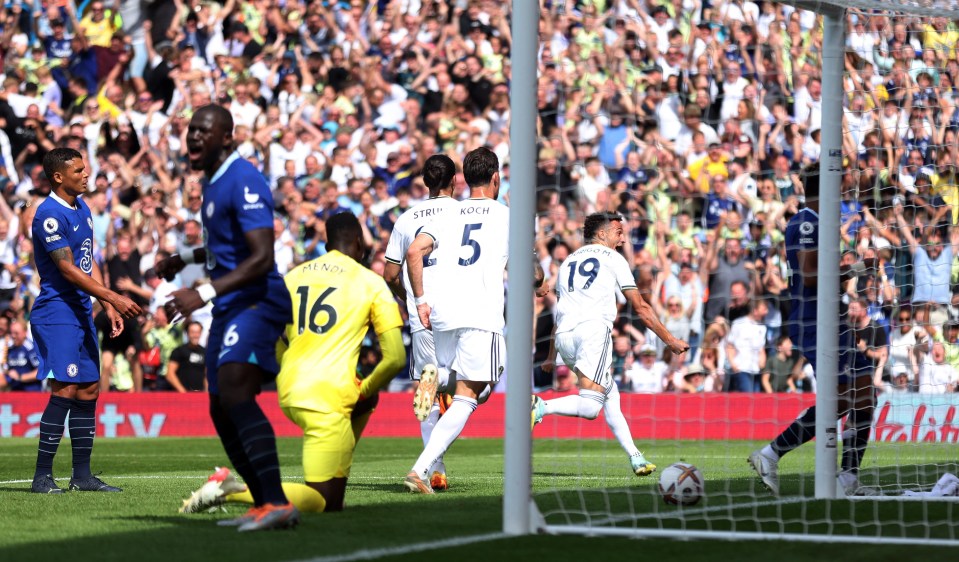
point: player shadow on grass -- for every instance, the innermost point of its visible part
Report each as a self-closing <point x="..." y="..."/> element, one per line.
<point x="145" y="532"/>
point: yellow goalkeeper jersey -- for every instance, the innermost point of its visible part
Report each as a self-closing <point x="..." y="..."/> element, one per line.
<point x="335" y="301"/>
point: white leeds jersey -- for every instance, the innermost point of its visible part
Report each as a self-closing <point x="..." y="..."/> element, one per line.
<point x="471" y="246"/>
<point x="586" y="286"/>
<point x="404" y="232"/>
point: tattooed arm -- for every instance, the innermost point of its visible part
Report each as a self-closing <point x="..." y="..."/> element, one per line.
<point x="92" y="285"/>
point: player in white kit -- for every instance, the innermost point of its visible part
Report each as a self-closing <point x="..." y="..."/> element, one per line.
<point x="586" y="286"/>
<point x="438" y="174"/>
<point x="464" y="305"/>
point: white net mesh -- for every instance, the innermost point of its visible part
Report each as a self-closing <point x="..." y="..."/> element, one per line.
<point x="695" y="124"/>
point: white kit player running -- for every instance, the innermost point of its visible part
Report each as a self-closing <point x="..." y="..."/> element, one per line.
<point x="465" y="303"/>
<point x="586" y="286"/>
<point x="438" y="174"/>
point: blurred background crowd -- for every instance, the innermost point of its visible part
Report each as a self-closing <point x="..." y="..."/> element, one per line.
<point x="691" y="118"/>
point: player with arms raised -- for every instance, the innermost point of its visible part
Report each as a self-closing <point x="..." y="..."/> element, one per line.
<point x="856" y="392"/>
<point x="251" y="308"/>
<point x="465" y="308"/>
<point x="438" y="174"/>
<point x="586" y="288"/>
<point x="62" y="321"/>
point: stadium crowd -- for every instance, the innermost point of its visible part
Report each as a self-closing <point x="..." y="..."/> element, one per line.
<point x="691" y="119"/>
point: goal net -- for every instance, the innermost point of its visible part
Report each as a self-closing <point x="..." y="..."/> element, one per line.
<point x="704" y="128"/>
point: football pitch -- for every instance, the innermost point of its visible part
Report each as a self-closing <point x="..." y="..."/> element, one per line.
<point x="381" y="520"/>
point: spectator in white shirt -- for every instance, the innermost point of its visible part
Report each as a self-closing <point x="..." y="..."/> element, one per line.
<point x="937" y="375"/>
<point x="647" y="375"/>
<point x="902" y="343"/>
<point x="746" y="349"/>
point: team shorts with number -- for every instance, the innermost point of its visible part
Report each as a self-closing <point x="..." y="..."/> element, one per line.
<point x="68" y="353"/>
<point x="588" y="349"/>
<point x="475" y="355"/>
<point x="424" y="352"/>
<point x="247" y="336"/>
<point x="328" y="443"/>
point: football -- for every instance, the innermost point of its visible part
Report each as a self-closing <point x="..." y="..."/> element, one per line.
<point x="681" y="484"/>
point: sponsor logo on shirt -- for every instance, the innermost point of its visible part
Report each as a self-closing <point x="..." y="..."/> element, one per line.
<point x="252" y="200"/>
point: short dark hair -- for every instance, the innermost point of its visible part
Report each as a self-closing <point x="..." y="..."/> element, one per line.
<point x="56" y="160"/>
<point x="342" y="229"/>
<point x="598" y="221"/>
<point x="479" y="167"/>
<point x="438" y="172"/>
<point x="810" y="181"/>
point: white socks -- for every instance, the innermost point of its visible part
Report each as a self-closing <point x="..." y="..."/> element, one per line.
<point x="426" y="429"/>
<point x="768" y="452"/>
<point x="617" y="422"/>
<point x="444" y="433"/>
<point x="586" y="405"/>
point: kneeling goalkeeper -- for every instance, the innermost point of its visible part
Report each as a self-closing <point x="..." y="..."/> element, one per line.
<point x="335" y="301"/>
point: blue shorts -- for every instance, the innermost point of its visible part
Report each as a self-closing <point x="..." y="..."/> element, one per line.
<point x="248" y="335"/>
<point x="68" y="353"/>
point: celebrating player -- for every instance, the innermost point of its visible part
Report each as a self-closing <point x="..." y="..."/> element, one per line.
<point x="856" y="391"/>
<point x="438" y="174"/>
<point x="336" y="302"/>
<point x="62" y="321"/>
<point x="585" y="311"/>
<point x="465" y="310"/>
<point x="251" y="308"/>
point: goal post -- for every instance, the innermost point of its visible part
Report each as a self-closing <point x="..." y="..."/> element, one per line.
<point x="573" y="478"/>
<point x="517" y="470"/>
<point x="827" y="290"/>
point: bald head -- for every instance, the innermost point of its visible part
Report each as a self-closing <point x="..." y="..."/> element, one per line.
<point x="221" y="116"/>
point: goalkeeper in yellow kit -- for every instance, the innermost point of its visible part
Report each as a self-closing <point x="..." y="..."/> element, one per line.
<point x="335" y="301"/>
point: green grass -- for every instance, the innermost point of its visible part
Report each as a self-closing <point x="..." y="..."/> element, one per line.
<point x="573" y="480"/>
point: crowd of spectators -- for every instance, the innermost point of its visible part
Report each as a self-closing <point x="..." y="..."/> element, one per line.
<point x="690" y="118"/>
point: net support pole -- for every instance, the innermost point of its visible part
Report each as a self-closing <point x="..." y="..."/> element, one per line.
<point x="517" y="469"/>
<point x="827" y="290"/>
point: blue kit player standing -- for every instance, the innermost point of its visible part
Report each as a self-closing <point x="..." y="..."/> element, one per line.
<point x="856" y="393"/>
<point x="62" y="321"/>
<point x="251" y="308"/>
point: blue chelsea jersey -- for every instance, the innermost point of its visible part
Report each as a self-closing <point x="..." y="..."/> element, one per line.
<point x="235" y="201"/>
<point x="802" y="234"/>
<point x="57" y="225"/>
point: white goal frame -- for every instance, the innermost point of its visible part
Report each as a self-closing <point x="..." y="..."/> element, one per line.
<point x="520" y="514"/>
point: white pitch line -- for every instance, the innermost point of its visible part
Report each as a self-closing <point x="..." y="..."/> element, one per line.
<point x="372" y="554"/>
<point x="353" y="478"/>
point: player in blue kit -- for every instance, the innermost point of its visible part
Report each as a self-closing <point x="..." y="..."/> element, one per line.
<point x="251" y="308"/>
<point x="856" y="392"/>
<point x="62" y="321"/>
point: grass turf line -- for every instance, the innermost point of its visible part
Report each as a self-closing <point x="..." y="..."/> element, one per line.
<point x="571" y="479"/>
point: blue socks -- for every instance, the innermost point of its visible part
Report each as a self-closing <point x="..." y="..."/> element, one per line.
<point x="856" y="438"/>
<point x="800" y="431"/>
<point x="234" y="450"/>
<point x="51" y="431"/>
<point x="83" y="428"/>
<point x="259" y="444"/>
